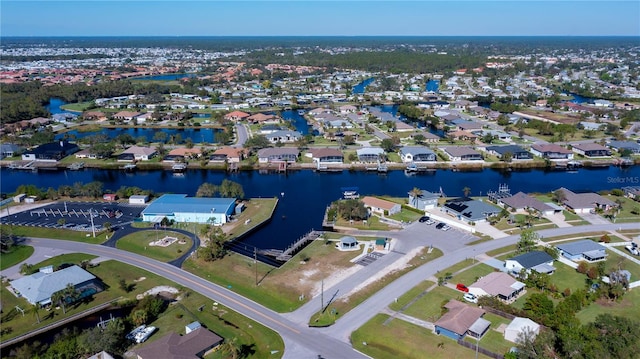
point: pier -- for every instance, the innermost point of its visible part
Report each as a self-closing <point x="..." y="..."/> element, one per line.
<point x="29" y="166"/>
<point x="76" y="166"/>
<point x="297" y="245"/>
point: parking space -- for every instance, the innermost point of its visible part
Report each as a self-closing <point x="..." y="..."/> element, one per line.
<point x="369" y="258"/>
<point x="80" y="216"/>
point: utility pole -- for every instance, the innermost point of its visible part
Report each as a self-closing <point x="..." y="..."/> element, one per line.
<point x="255" y="262"/>
<point x="93" y="228"/>
<point x="322" y="295"/>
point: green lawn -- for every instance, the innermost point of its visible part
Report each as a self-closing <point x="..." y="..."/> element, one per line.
<point x="628" y="306"/>
<point x="54" y="233"/>
<point x="139" y="242"/>
<point x="493" y="340"/>
<point x="429" y="306"/>
<point x="411" y="294"/>
<point x="400" y="339"/>
<point x="615" y="261"/>
<point x="472" y="274"/>
<point x="14" y="256"/>
<point x="502" y="250"/>
<point x="567" y="277"/>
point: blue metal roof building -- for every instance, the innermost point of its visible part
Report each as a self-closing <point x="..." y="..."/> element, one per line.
<point x="180" y="208"/>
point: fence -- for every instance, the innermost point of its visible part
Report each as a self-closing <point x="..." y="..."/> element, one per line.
<point x="481" y="350"/>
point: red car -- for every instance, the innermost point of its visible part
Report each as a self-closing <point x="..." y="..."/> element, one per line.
<point x="461" y="287"/>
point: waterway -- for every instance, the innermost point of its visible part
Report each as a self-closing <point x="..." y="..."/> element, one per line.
<point x="305" y="194"/>
<point x="362" y="86"/>
<point x="298" y="121"/>
<point x="197" y="135"/>
<point x="432" y="85"/>
<point x="165" y="77"/>
<point x="54" y="106"/>
<point x="393" y="109"/>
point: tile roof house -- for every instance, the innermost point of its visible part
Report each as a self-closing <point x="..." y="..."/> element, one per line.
<point x="522" y="201"/>
<point x="236" y="116"/>
<point x="181" y="154"/>
<point x="39" y="287"/>
<point x="137" y="153"/>
<point x="551" y="151"/>
<point x="591" y="150"/>
<point x="470" y="210"/>
<point x="461" y="320"/>
<point x="278" y="154"/>
<point x="428" y="136"/>
<point x="381" y="206"/>
<point x="499" y="285"/>
<point x="173" y="346"/>
<point x="410" y="154"/>
<point x="538" y="261"/>
<point x="463" y="154"/>
<point x="126" y="115"/>
<point x="585" y="202"/>
<point x="228" y="154"/>
<point x="586" y="249"/>
<point x="263" y="118"/>
<point x="325" y="155"/>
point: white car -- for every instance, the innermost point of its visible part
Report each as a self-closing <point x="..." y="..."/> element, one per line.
<point x="470" y="298"/>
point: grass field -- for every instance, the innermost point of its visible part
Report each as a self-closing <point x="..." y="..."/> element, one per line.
<point x="429" y="306"/>
<point x="139" y="242"/>
<point x="493" y="339"/>
<point x="55" y="233"/>
<point x="472" y="274"/>
<point x="400" y="339"/>
<point x="413" y="293"/>
<point x="14" y="256"/>
<point x="628" y="306"/>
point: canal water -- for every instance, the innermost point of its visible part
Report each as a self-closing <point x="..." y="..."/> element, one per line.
<point x="304" y="195"/>
<point x="362" y="86"/>
<point x="197" y="135"/>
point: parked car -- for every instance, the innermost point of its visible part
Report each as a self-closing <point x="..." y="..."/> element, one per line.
<point x="633" y="249"/>
<point x="430" y="222"/>
<point x="470" y="298"/>
<point x="440" y="225"/>
<point x="424" y="219"/>
<point x="443" y="226"/>
<point x="461" y="287"/>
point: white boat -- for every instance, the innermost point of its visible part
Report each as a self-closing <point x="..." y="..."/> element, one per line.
<point x="141" y="333"/>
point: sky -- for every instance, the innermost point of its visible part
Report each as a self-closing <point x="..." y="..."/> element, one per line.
<point x="319" y="18"/>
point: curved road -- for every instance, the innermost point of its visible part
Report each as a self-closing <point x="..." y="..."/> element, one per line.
<point x="332" y="342"/>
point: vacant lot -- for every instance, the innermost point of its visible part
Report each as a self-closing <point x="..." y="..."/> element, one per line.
<point x="140" y="243"/>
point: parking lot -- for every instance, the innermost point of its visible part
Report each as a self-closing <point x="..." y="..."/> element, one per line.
<point x="369" y="258"/>
<point x="79" y="216"/>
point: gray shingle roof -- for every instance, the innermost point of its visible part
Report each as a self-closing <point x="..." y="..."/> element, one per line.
<point x="578" y="247"/>
<point x="532" y="259"/>
<point x="40" y="286"/>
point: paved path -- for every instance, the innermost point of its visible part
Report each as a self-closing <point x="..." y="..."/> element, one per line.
<point x="558" y="220"/>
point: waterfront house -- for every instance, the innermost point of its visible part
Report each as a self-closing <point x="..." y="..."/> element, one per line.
<point x="180" y="208"/>
<point x="125" y="115"/>
<point x="369" y="154"/>
<point x="522" y="201"/>
<point x="426" y="200"/>
<point x="278" y="154"/>
<point x="538" y="261"/>
<point x="495" y="134"/>
<point x="381" y="206"/>
<point x="470" y="210"/>
<point x="39" y="287"/>
<point x="632" y="192"/>
<point x="517" y="152"/>
<point x="633" y="147"/>
<point x="409" y="154"/>
<point x="461" y="320"/>
<point x="499" y="285"/>
<point x="182" y="154"/>
<point x="137" y="153"/>
<point x="262" y="118"/>
<point x="462" y="135"/>
<point x="283" y="136"/>
<point x="551" y="151"/>
<point x="236" y="116"/>
<point x="228" y="154"/>
<point x="193" y="345"/>
<point x="463" y="154"/>
<point x="583" y="250"/>
<point x="9" y="150"/>
<point x="326" y="155"/>
<point x="345" y="109"/>
<point x="50" y="152"/>
<point x="585" y="202"/>
<point x="428" y="136"/>
<point x="467" y="125"/>
<point x="591" y="150"/>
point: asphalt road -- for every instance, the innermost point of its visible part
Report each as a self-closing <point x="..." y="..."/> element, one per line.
<point x="241" y="136"/>
<point x="332" y="342"/>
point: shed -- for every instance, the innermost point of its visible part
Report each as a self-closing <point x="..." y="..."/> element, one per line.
<point x="110" y="196"/>
<point x="191" y="327"/>
<point x="519" y="325"/>
<point x="381" y="244"/>
<point x="138" y="199"/>
<point x="30" y="199"/>
<point x="239" y="208"/>
<point x="19" y="198"/>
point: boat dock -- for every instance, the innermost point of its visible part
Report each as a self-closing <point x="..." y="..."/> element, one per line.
<point x="297" y="245"/>
<point x="29" y="166"/>
<point x="129" y="167"/>
<point x="76" y="166"/>
<point x="179" y="167"/>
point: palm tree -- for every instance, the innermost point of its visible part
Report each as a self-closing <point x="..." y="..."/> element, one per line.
<point x="59" y="298"/>
<point x="232" y="348"/>
<point x="466" y="191"/>
<point x="415" y="194"/>
<point x="559" y="196"/>
<point x="35" y="310"/>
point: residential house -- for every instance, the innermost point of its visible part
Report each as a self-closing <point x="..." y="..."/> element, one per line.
<point x="551" y="151"/>
<point x="174" y="346"/>
<point x="326" y="155"/>
<point x="520" y="326"/>
<point x="137" y="153"/>
<point x="470" y="210"/>
<point x="9" y="150"/>
<point x="50" y="152"/>
<point x="593" y="126"/>
<point x="463" y="154"/>
<point x="428" y="136"/>
<point x="585" y="202"/>
<point x="236" y="116"/>
<point x="517" y="152"/>
<point x="522" y="201"/>
<point x="125" y="115"/>
<point x="369" y="154"/>
<point x="381" y="206"/>
<point x="583" y="250"/>
<point x="495" y="134"/>
<point x="591" y="150"/>
<point x="461" y="320"/>
<point x="228" y="154"/>
<point x="284" y="136"/>
<point x="278" y="154"/>
<point x="426" y="200"/>
<point x="345" y="109"/>
<point x="632" y="192"/>
<point x="39" y="287"/>
<point x="403" y="127"/>
<point x="538" y="261"/>
<point x="633" y="147"/>
<point x="263" y="118"/>
<point x="182" y="154"/>
<point x="468" y="126"/>
<point x="499" y="285"/>
<point x="94" y="116"/>
<point x="462" y="135"/>
<point x="410" y="154"/>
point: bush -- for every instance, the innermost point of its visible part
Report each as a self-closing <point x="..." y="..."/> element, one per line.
<point x="582" y="268"/>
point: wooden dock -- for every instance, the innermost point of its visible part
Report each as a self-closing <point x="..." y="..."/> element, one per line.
<point x="297" y="245"/>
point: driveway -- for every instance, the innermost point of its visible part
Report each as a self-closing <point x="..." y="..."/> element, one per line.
<point x="593" y="218"/>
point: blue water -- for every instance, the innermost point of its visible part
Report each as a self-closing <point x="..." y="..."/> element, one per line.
<point x="165" y="77"/>
<point x="581" y="99"/>
<point x="393" y="109"/>
<point x="297" y="120"/>
<point x="197" y="135"/>
<point x="362" y="87"/>
<point x="54" y="106"/>
<point x="307" y="193"/>
<point x="432" y="85"/>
